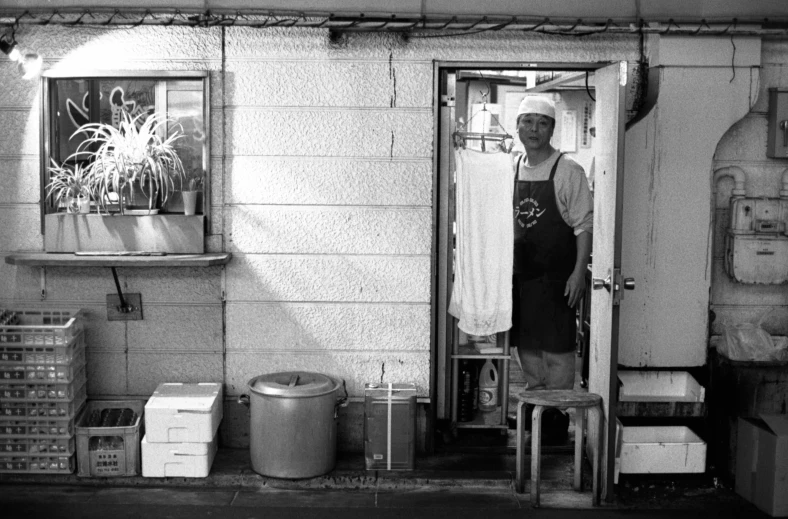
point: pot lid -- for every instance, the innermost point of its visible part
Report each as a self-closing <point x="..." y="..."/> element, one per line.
<point x="293" y="384"/>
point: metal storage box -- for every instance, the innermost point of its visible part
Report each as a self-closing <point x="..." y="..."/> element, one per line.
<point x="661" y="450"/>
<point x="185" y="460"/>
<point x="183" y="413"/>
<point x="390" y="426"/>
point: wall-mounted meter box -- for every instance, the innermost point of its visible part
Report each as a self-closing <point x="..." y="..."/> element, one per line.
<point x="756" y="243"/>
<point x="777" y="143"/>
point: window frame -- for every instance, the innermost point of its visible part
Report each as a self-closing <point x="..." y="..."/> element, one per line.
<point x="47" y="81"/>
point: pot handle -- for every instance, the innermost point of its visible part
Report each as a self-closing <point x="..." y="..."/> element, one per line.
<point x="243" y="400"/>
<point x="342" y="401"/>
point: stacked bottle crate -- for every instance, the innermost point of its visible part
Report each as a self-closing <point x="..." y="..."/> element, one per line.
<point x="43" y="386"/>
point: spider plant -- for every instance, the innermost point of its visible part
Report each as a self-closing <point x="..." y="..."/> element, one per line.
<point x="132" y="155"/>
<point x="69" y="183"/>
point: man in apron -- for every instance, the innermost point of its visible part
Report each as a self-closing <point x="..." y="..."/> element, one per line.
<point x="553" y="222"/>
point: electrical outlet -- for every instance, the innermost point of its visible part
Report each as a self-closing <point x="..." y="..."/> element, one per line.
<point x="132" y="312"/>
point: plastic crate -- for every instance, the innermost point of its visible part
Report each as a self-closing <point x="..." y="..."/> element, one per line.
<point x="36" y="446"/>
<point x="62" y="428"/>
<point x="49" y="409"/>
<point x="40" y="327"/>
<point x="37" y="391"/>
<point x="110" y="450"/>
<point x="38" y="464"/>
<point x="18" y="354"/>
<point x="48" y="372"/>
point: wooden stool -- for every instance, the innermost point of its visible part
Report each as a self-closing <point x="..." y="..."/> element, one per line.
<point x="560" y="399"/>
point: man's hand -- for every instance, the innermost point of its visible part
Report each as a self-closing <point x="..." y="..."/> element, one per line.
<point x="575" y="288"/>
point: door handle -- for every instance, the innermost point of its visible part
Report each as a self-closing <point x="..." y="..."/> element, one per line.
<point x="629" y="283"/>
<point x="599" y="283"/>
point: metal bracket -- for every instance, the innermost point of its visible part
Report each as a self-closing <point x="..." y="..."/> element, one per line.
<point x="619" y="285"/>
<point x="123" y="308"/>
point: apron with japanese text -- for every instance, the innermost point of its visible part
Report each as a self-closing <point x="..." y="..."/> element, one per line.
<point x="545" y="251"/>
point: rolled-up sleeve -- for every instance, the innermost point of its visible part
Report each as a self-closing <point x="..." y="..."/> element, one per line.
<point x="573" y="197"/>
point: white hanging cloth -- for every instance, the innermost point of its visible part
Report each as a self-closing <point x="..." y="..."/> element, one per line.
<point x="481" y="297"/>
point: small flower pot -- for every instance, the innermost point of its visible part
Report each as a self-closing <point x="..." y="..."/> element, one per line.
<point x="189" y="202"/>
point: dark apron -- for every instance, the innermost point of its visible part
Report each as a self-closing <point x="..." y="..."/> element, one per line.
<point x="545" y="250"/>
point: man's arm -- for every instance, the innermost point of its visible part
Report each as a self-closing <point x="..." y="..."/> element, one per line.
<point x="576" y="284"/>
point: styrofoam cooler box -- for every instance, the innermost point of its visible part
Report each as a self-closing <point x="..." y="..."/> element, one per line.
<point x="665" y="449"/>
<point x="183" y="413"/>
<point x="185" y="460"/>
<point x="659" y="386"/>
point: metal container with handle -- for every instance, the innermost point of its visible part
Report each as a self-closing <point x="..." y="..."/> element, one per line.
<point x="293" y="423"/>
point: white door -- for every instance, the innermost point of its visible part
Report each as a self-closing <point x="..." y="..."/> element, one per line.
<point x="608" y="284"/>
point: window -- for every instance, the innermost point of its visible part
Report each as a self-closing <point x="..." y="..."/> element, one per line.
<point x="71" y="101"/>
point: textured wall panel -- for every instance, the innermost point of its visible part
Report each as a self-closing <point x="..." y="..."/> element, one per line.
<point x="185" y="285"/>
<point x="355" y="368"/>
<point x="329" y="83"/>
<point x="293" y="327"/>
<point x="90" y="285"/>
<point x="330" y="133"/>
<point x="745" y="140"/>
<point x="774" y="52"/>
<point x="19" y="180"/>
<point x="116" y="46"/>
<point x="102" y="335"/>
<point x="148" y="370"/>
<point x="304" y="43"/>
<point x="16" y="92"/>
<point x="190" y="329"/>
<point x="329" y="230"/>
<point x="21" y="228"/>
<point x="327" y="181"/>
<point x="19" y="283"/>
<point x="107" y="373"/>
<point x="20" y="132"/>
<point x="329" y="278"/>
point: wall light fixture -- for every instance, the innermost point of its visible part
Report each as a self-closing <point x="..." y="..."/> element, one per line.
<point x="29" y="63"/>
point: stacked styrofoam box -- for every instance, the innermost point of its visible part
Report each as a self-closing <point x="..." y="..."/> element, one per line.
<point x="181" y="422"/>
<point x="42" y="389"/>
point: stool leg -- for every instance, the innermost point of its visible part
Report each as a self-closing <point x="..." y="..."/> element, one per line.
<point x="520" y="477"/>
<point x="536" y="455"/>
<point x="579" y="429"/>
<point x="597" y="455"/>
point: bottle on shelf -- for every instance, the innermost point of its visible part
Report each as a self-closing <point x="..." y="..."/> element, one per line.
<point x="488" y="387"/>
<point x="467" y="391"/>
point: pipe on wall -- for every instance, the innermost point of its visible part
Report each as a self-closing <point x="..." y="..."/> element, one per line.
<point x="739" y="180"/>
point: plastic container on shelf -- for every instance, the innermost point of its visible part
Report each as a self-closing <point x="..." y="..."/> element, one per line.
<point x="468" y="391"/>
<point x="31" y="409"/>
<point x="488" y="387"/>
<point x="108" y="437"/>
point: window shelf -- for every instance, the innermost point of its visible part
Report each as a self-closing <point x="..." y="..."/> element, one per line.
<point x="44" y="259"/>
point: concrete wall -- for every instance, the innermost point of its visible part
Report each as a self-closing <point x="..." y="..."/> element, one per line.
<point x="322" y="189"/>
<point x="744" y="146"/>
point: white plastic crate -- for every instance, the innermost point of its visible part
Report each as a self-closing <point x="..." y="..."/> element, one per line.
<point x="661" y="450"/>
<point x="184" y="413"/>
<point x="185" y="460"/>
<point x="38" y="428"/>
<point x="42" y="371"/>
<point x="31" y="409"/>
<point x="38" y="464"/>
<point x="42" y="391"/>
<point x="108" y="438"/>
<point x="41" y="327"/>
<point x="659" y="386"/>
<point x="15" y="447"/>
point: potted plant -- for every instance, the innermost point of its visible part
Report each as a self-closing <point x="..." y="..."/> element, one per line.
<point x="134" y="159"/>
<point x="70" y="185"/>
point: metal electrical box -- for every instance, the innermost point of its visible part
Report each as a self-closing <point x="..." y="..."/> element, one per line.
<point x="756" y="243"/>
<point x="777" y="145"/>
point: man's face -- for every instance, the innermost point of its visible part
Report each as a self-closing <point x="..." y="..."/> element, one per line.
<point x="535" y="130"/>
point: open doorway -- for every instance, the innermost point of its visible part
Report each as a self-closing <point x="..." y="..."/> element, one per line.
<point x="483" y="102"/>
